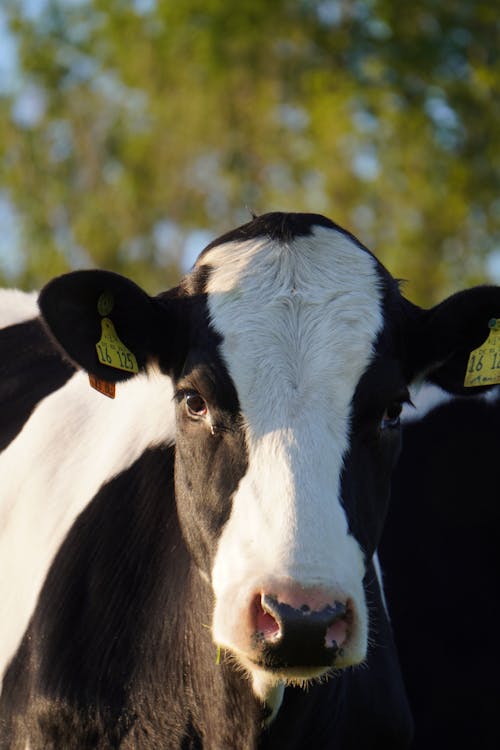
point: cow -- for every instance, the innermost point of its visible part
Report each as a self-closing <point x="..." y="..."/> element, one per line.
<point x="179" y="560"/>
<point x="440" y="548"/>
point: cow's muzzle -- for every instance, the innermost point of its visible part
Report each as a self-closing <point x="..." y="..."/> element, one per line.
<point x="287" y="637"/>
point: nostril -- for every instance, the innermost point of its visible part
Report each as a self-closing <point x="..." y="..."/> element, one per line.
<point x="336" y="634"/>
<point x="267" y="627"/>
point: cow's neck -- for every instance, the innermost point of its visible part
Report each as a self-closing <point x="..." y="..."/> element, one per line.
<point x="182" y="677"/>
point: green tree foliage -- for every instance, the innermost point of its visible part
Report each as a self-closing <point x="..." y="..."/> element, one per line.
<point x="159" y="119"/>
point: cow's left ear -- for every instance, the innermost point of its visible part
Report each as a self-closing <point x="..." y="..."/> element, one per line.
<point x="103" y="322"/>
<point x="444" y="337"/>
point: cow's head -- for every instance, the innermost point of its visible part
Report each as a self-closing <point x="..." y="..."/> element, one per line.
<point x="291" y="350"/>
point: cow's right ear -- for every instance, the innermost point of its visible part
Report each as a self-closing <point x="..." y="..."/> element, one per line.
<point x="103" y="322"/>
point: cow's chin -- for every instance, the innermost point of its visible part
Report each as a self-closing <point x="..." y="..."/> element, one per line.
<point x="296" y="676"/>
<point x="303" y="673"/>
<point x="268" y="683"/>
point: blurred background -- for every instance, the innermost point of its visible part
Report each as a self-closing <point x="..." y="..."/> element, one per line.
<point x="132" y="132"/>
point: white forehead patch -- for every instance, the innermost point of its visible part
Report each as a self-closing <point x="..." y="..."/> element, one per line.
<point x="299" y="321"/>
<point x="300" y="318"/>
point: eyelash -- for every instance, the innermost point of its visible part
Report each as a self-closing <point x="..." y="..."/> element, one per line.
<point x="391" y="418"/>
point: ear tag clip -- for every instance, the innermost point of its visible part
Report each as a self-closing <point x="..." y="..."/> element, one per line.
<point x="105" y="304"/>
<point x="483" y="367"/>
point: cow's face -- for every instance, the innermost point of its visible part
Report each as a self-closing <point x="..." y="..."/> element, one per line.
<point x="285" y="445"/>
<point x="290" y="348"/>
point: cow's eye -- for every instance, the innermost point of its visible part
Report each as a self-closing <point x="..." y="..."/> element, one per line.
<point x="195" y="404"/>
<point x="391" y="417"/>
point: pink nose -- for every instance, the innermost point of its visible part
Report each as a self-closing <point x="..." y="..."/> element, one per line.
<point x="307" y="635"/>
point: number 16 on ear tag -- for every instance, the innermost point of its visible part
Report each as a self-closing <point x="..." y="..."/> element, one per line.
<point x="112" y="352"/>
<point x="483" y="367"/>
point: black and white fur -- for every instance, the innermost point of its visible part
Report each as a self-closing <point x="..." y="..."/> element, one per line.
<point x="234" y="492"/>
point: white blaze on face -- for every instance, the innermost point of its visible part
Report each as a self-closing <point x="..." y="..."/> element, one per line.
<point x="299" y="321"/>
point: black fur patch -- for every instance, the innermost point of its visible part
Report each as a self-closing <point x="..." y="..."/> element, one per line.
<point x="279" y="227"/>
<point x="30" y="368"/>
<point x="119" y="650"/>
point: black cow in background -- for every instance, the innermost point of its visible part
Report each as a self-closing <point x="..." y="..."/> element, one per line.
<point x="440" y="553"/>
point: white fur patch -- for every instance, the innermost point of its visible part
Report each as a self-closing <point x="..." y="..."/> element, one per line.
<point x="426" y="397"/>
<point x="75" y="441"/>
<point x="269" y="693"/>
<point x="299" y="321"/>
<point x="17" y="307"/>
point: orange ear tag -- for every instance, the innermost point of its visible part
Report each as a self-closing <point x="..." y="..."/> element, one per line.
<point x="107" y="389"/>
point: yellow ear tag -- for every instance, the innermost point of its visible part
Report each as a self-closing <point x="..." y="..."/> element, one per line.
<point x="112" y="352"/>
<point x="483" y="367"/>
